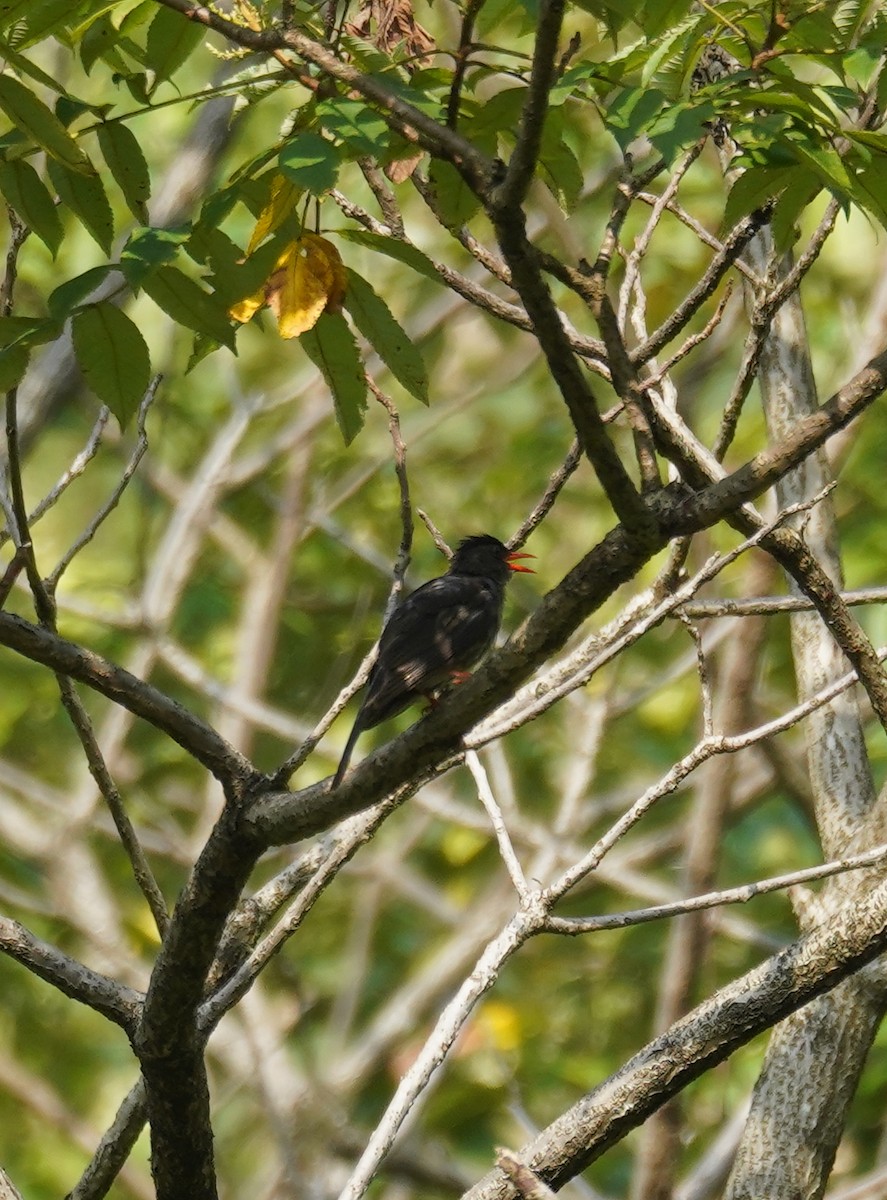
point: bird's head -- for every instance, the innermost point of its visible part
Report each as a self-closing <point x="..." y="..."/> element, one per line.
<point x="485" y="555"/>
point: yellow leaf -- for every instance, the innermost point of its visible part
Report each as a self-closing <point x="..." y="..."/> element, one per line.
<point x="308" y="279"/>
<point x="244" y="310"/>
<point x="284" y="198"/>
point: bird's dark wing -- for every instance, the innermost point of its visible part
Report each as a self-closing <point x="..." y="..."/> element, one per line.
<point x="446" y="625"/>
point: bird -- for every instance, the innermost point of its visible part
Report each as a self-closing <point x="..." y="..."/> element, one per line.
<point x="439" y="631"/>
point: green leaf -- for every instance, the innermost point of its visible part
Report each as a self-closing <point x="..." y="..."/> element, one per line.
<point x="403" y="252"/>
<point x="362" y="130"/>
<point x="801" y="189"/>
<point x="559" y="166"/>
<point x="41" y="125"/>
<point x="85" y="196"/>
<point x="126" y="162"/>
<point x="13" y="365"/>
<point x="100" y="41"/>
<point x="310" y="161"/>
<point x="188" y="304"/>
<point x="172" y="38"/>
<point x="26" y="192"/>
<point x="147" y="249"/>
<point x="375" y="321"/>
<point x="113" y="357"/>
<point x="30" y="331"/>
<point x="69" y="294"/>
<point x="753" y="189"/>
<point x="44" y="18"/>
<point x="331" y="347"/>
<point x="456" y="202"/>
<point x="631" y="111"/>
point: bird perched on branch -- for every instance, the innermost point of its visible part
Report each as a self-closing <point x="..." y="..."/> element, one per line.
<point x="441" y="630"/>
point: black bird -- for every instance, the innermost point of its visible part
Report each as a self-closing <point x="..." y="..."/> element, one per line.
<point x="437" y="633"/>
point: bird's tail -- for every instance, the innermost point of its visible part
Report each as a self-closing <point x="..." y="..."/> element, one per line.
<point x="356" y="730"/>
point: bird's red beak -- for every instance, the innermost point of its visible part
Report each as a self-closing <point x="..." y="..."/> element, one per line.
<point x="512" y="555"/>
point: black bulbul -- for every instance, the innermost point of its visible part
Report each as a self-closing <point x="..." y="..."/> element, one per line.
<point x="441" y="630"/>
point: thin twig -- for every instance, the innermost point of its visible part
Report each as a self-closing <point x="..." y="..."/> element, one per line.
<point x="113" y="500"/>
<point x="735" y="895"/>
<point x="494" y="812"/>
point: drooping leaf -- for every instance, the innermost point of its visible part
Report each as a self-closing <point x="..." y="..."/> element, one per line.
<point x="281" y="205"/>
<point x="126" y="162"/>
<point x="85" y="196"/>
<point x="26" y="192"/>
<point x="310" y="162"/>
<point x="331" y="347"/>
<point x="171" y="40"/>
<point x="308" y="279"/>
<point x="39" y="123"/>
<point x="113" y="357"/>
<point x="381" y="329"/>
<point x="188" y="304"/>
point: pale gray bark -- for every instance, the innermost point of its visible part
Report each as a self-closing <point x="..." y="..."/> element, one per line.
<point x="816" y="1056"/>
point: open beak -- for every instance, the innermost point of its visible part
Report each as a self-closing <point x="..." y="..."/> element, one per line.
<point x="511" y="558"/>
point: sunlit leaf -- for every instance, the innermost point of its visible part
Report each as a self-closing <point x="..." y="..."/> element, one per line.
<point x="310" y="162"/>
<point x="281" y="205"/>
<point x="308" y="279"/>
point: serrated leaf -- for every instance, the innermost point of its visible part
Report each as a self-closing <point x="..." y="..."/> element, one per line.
<point x="188" y="304"/>
<point x="381" y="329"/>
<point x="126" y="162"/>
<point x="85" y="196"/>
<point x="403" y="252"/>
<point x="311" y="162"/>
<point x="45" y="18"/>
<point x="113" y="357"/>
<point x="27" y="194"/>
<point x="171" y="40"/>
<point x="801" y="189"/>
<point x="331" y="347"/>
<point x="69" y="294"/>
<point x="752" y="190"/>
<point x="41" y="125"/>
